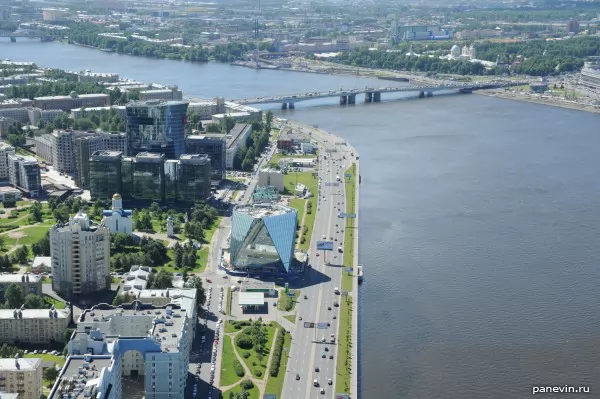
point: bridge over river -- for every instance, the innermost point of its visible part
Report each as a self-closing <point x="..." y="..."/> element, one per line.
<point x="373" y="94"/>
<point x="25" y="33"/>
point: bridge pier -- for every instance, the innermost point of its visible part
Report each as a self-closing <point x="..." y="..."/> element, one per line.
<point x="465" y="91"/>
<point x="343" y="100"/>
<point x="421" y="94"/>
<point x="352" y="99"/>
<point x="376" y="96"/>
<point x="13" y="39"/>
<point x="291" y="106"/>
<point x="429" y="94"/>
<point x="284" y="106"/>
<point x="368" y="97"/>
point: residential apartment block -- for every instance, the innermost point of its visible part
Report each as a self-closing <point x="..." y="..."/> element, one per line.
<point x="236" y="138"/>
<point x="24" y="173"/>
<point x="33" y="326"/>
<point x="74" y="100"/>
<point x="80" y="255"/>
<point x="29" y="283"/>
<point x="5" y="150"/>
<point x="21" y="376"/>
<point x="150" y="337"/>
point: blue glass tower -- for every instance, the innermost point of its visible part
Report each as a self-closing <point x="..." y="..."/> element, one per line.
<point x="156" y="126"/>
<point x="262" y="238"/>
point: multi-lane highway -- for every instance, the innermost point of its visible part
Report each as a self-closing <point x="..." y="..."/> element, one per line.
<point x="308" y="353"/>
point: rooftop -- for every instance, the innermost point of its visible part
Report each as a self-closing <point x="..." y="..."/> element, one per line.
<point x="238" y="130"/>
<point x="12" y="364"/>
<point x="207" y="136"/>
<point x="261" y="210"/>
<point x="194" y="158"/>
<point x="107" y="154"/>
<point x="19" y="278"/>
<point x="80" y="376"/>
<point x="251" y="298"/>
<point x="6" y="314"/>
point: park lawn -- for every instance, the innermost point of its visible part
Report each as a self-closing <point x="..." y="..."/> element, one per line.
<point x="287" y="303"/>
<point x="310" y="181"/>
<point x="254" y="393"/>
<point x="21" y="220"/>
<point x="48" y="358"/>
<point x="253" y="359"/>
<point x="275" y="384"/>
<point x="53" y="301"/>
<point x="350" y="186"/>
<point x="32" y="234"/>
<point x="291" y="318"/>
<point x="274" y="134"/>
<point x="344" y="360"/>
<point x="278" y="157"/>
<point x="228" y="375"/>
<point x="46" y="280"/>
<point x="229" y="327"/>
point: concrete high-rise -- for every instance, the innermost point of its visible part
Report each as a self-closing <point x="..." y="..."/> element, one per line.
<point x="156" y="126"/>
<point x="80" y="255"/>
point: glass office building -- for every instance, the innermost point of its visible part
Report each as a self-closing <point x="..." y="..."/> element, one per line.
<point x="215" y="146"/>
<point x="262" y="238"/>
<point x="105" y="174"/>
<point x="148" y="177"/>
<point x="193" y="178"/>
<point x="156" y="126"/>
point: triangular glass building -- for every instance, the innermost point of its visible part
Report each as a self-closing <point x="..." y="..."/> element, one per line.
<point x="262" y="238"/>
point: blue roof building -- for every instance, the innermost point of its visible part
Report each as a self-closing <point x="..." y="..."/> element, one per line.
<point x="263" y="236"/>
<point x="117" y="219"/>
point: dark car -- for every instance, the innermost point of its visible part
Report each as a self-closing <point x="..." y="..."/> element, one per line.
<point x="316" y="369"/>
<point x="297" y="376"/>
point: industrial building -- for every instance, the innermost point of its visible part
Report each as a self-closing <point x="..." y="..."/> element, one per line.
<point x="156" y="126"/>
<point x="80" y="255"/>
<point x="149" y="338"/>
<point x="21" y="376"/>
<point x="236" y="138"/>
<point x="262" y="238"/>
<point x="73" y="100"/>
<point x="214" y="145"/>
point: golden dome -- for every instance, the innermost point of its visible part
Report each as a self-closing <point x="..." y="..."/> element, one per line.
<point x="116" y="196"/>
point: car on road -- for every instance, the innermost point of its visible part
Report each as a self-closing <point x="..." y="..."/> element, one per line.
<point x="323" y="355"/>
<point x="326" y="349"/>
<point x="331" y="356"/>
<point x="316" y="369"/>
<point x="336" y="304"/>
<point x="297" y="377"/>
<point x="328" y="307"/>
<point x="322" y="390"/>
<point x="329" y="381"/>
<point x="315" y="383"/>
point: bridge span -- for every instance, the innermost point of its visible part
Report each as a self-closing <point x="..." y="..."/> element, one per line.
<point x="373" y="94"/>
<point x="24" y="33"/>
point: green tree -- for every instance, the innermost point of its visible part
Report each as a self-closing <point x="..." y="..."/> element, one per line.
<point x="61" y="213"/>
<point x="196" y="282"/>
<point x="35" y="212"/>
<point x="162" y="280"/>
<point x="13" y="297"/>
<point x="50" y="373"/>
<point x="33" y="301"/>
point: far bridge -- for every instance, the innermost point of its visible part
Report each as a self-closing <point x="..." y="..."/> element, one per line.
<point x="373" y="94"/>
<point x="24" y="33"/>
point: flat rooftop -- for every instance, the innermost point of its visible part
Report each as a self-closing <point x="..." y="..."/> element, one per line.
<point x="251" y="298"/>
<point x="19" y="278"/>
<point x="10" y="364"/>
<point x="261" y="210"/>
<point x="79" y="377"/>
<point x="9" y="314"/>
<point x="208" y="136"/>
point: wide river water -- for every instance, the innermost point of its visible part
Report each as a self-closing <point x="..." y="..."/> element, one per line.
<point x="479" y="227"/>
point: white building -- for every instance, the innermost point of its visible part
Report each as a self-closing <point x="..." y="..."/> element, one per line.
<point x="136" y="280"/>
<point x="5" y="151"/>
<point x="33" y="326"/>
<point x="80" y="257"/>
<point x="29" y="283"/>
<point x="117" y="219"/>
<point x="169" y="94"/>
<point x="237" y="137"/>
<point x="159" y="328"/>
<point x="271" y="177"/>
<point x="22" y="376"/>
<point x="42" y="264"/>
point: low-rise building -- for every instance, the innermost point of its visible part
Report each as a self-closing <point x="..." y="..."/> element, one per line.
<point x="9" y="194"/>
<point x="136" y="280"/>
<point x="236" y="138"/>
<point x="29" y="283"/>
<point x="42" y="264"/>
<point x="117" y="219"/>
<point x="33" y="326"/>
<point x="74" y="100"/>
<point x="37" y="115"/>
<point x="22" y="376"/>
<point x="271" y="177"/>
<point x="20" y="115"/>
<point x="161" y="94"/>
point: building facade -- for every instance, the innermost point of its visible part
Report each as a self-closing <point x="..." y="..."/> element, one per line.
<point x="21" y="376"/>
<point x="262" y="238"/>
<point x="156" y="126"/>
<point x="117" y="219"/>
<point x="5" y="150"/>
<point x="150" y="337"/>
<point x="236" y="138"/>
<point x="271" y="177"/>
<point x="29" y="283"/>
<point x="214" y="145"/>
<point x="74" y="100"/>
<point x="80" y="255"/>
<point x="33" y="326"/>
<point x="170" y="94"/>
<point x="24" y="173"/>
<point x="104" y="177"/>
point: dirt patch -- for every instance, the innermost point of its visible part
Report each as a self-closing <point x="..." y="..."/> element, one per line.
<point x="16" y="234"/>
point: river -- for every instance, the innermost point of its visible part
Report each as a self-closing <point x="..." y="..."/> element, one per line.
<point x="479" y="227"/>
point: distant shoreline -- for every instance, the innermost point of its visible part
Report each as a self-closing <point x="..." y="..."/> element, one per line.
<point x="538" y="100"/>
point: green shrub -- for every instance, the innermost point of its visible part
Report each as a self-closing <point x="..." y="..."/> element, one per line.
<point x="247" y="385"/>
<point x="276" y="358"/>
<point x="244" y="341"/>
<point x="246" y="355"/>
<point x="239" y="370"/>
<point x="258" y="372"/>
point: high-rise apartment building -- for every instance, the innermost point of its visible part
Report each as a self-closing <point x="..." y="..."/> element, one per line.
<point x="22" y="376"/>
<point x="156" y="126"/>
<point x="24" y="173"/>
<point x="80" y="255"/>
<point x="5" y="151"/>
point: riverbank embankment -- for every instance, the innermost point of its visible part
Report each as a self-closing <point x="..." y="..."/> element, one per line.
<point x="537" y="99"/>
